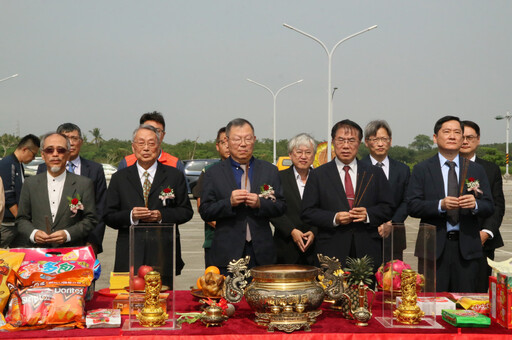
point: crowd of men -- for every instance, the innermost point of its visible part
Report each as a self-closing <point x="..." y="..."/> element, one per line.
<point x="344" y="208"/>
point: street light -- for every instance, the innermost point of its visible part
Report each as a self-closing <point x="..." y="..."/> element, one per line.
<point x="329" y="56"/>
<point x="13" y="76"/>
<point x="275" y="97"/>
<point x="507" y="117"/>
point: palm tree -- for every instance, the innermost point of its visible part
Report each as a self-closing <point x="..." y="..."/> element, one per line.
<point x="96" y="136"/>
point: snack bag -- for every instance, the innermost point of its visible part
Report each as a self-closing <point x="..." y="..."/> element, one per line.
<point x="9" y="264"/>
<point x="49" y="301"/>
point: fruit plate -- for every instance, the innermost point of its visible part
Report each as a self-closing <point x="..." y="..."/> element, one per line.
<point x="198" y="293"/>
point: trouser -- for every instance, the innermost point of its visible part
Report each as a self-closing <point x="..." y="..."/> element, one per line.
<point x="8" y="232"/>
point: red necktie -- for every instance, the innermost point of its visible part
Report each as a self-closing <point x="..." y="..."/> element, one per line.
<point x="349" y="188"/>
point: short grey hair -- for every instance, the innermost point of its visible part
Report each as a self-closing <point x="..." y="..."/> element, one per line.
<point x="48" y="134"/>
<point x="146" y="127"/>
<point x="374" y="126"/>
<point x="302" y="139"/>
<point x="238" y="122"/>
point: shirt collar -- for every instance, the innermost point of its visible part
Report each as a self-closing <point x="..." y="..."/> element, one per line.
<point x="151" y="170"/>
<point x="385" y="161"/>
<point x="235" y="164"/>
<point x="442" y="160"/>
<point x="76" y="162"/>
<point x="340" y="164"/>
<point x="59" y="178"/>
<point x="472" y="159"/>
<point x="297" y="175"/>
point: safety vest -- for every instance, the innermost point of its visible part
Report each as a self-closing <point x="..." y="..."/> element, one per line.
<point x="165" y="159"/>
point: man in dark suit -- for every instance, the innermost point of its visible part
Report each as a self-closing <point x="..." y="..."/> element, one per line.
<point x="293" y="237"/>
<point x="13" y="175"/>
<point x="148" y="192"/>
<point x="81" y="166"/>
<point x="438" y="194"/>
<point x="347" y="200"/>
<point x="490" y="235"/>
<point x="377" y="138"/>
<point x="56" y="208"/>
<point x="241" y="194"/>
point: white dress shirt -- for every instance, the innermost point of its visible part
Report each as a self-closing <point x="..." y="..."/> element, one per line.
<point x="300" y="184"/>
<point x="385" y="165"/>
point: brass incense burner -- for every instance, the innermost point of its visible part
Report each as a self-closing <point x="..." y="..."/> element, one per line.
<point x="285" y="297"/>
<point x="408" y="312"/>
<point x="152" y="314"/>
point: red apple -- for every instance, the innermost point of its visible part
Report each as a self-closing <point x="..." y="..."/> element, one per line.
<point x="138" y="283"/>
<point x="143" y="270"/>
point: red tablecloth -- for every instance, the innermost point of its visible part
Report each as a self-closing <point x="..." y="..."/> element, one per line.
<point x="329" y="325"/>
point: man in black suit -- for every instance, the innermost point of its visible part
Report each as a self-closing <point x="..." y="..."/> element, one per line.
<point x="347" y="200"/>
<point x="294" y="238"/>
<point x="377" y="138"/>
<point x="84" y="167"/>
<point x="241" y="194"/>
<point x="438" y="194"/>
<point x="148" y="192"/>
<point x="490" y="235"/>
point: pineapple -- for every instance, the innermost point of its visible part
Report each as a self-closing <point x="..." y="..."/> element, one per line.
<point x="359" y="269"/>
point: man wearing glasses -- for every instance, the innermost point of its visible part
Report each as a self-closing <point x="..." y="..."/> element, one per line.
<point x="241" y="194"/>
<point x="489" y="227"/>
<point x="56" y="207"/>
<point x="13" y="176"/>
<point x="377" y="138"/>
<point x="84" y="167"/>
<point x="347" y="200"/>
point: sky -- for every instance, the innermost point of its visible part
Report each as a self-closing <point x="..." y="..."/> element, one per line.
<point x="103" y="63"/>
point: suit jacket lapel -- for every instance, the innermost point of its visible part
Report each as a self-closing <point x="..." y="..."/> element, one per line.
<point x="228" y="174"/>
<point x="84" y="167"/>
<point x="45" y="199"/>
<point x="436" y="176"/>
<point x="393" y="174"/>
<point x="134" y="180"/>
<point x="292" y="183"/>
<point x="334" y="178"/>
<point x="160" y="176"/>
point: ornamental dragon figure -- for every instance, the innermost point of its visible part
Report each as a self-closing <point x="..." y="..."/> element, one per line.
<point x="333" y="283"/>
<point x="234" y="285"/>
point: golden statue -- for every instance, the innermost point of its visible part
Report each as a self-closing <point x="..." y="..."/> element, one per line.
<point x="408" y="312"/>
<point x="152" y="315"/>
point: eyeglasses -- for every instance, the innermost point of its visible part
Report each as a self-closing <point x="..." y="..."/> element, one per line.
<point x="149" y="143"/>
<point x="300" y="153"/>
<point x="469" y="138"/>
<point x="32" y="152"/>
<point x="238" y="141"/>
<point x="50" y="150"/>
<point x="73" y="138"/>
<point x="349" y="141"/>
<point x="379" y="140"/>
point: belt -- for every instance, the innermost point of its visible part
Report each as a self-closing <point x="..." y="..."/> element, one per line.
<point x="452" y="235"/>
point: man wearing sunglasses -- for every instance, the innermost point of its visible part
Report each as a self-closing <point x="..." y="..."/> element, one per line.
<point x="13" y="176"/>
<point x="57" y="208"/>
<point x="84" y="167"/>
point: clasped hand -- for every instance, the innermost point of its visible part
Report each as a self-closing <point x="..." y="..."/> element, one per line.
<point x="461" y="202"/>
<point x="353" y="215"/>
<point x="58" y="237"/>
<point x="302" y="240"/>
<point x="240" y="196"/>
<point x="145" y="215"/>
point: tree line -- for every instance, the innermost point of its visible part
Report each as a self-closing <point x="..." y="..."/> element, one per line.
<point x="113" y="150"/>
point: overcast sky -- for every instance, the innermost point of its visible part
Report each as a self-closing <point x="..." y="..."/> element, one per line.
<point x="104" y="63"/>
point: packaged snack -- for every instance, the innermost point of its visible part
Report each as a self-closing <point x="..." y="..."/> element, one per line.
<point x="49" y="301"/>
<point x="103" y="318"/>
<point x="477" y="302"/>
<point x="9" y="264"/>
<point x="465" y="318"/>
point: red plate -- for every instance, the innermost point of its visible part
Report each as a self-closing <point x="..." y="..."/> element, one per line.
<point x="106" y="292"/>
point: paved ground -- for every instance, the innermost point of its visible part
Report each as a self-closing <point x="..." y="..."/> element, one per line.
<point x="192" y="239"/>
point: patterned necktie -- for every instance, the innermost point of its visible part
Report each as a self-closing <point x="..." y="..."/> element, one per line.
<point x="349" y="188"/>
<point x="145" y="188"/>
<point x="453" y="190"/>
<point x="245" y="183"/>
<point x="71" y="167"/>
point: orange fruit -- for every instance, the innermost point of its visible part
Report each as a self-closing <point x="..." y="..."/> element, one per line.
<point x="212" y="269"/>
<point x="199" y="283"/>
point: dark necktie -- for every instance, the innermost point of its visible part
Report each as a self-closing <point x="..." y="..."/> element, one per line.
<point x="246" y="184"/>
<point x="379" y="164"/>
<point x="349" y="188"/>
<point x="453" y="190"/>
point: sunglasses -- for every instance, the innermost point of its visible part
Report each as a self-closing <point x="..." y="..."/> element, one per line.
<point x="50" y="150"/>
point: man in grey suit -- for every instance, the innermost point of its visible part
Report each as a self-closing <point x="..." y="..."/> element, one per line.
<point x="293" y="237"/>
<point x="377" y="138"/>
<point x="84" y="167"/>
<point x="56" y="208"/>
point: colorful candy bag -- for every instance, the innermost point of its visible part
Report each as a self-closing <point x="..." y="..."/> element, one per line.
<point x="49" y="301"/>
<point x="9" y="264"/>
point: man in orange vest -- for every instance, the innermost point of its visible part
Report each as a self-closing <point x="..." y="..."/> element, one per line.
<point x="155" y="119"/>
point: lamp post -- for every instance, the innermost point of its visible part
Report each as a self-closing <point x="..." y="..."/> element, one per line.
<point x="275" y="97"/>
<point x="507" y="117"/>
<point x="7" y="78"/>
<point x="329" y="66"/>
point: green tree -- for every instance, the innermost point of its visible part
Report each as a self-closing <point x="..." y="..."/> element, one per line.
<point x="8" y="142"/>
<point x="421" y="143"/>
<point x="97" y="138"/>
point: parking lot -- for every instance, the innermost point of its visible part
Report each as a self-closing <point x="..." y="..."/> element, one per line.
<point x="192" y="240"/>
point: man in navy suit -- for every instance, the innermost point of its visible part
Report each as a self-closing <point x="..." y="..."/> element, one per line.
<point x="377" y="138"/>
<point x="293" y="238"/>
<point x="241" y="194"/>
<point x="438" y="194"/>
<point x="490" y="235"/>
<point x="81" y="166"/>
<point x="148" y="192"/>
<point x="347" y="200"/>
